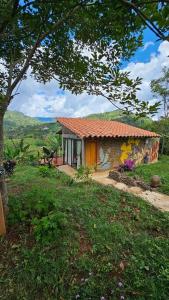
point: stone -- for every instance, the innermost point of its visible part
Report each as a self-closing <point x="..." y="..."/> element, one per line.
<point x="143" y="185"/>
<point x="155" y="181"/>
<point x="115" y="175"/>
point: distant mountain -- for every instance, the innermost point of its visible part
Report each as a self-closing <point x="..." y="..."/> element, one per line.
<point x="119" y="116"/>
<point x="15" y="119"/>
<point x="16" y="124"/>
<point x="46" y="120"/>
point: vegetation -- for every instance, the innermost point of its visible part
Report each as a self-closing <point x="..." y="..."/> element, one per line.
<point x="14" y="120"/>
<point x="83" y="173"/>
<point x="17" y="124"/>
<point x="56" y="41"/>
<point x="160" y="88"/>
<point x="118" y="115"/>
<point x="18" y="151"/>
<point x="69" y="240"/>
<point x="22" y="129"/>
<point x="162" y="127"/>
<point x="160" y="168"/>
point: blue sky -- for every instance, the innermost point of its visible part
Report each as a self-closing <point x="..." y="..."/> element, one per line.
<point x="151" y="45"/>
<point x="39" y="100"/>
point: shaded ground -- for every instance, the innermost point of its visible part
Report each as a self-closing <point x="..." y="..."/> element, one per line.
<point x="70" y="240"/>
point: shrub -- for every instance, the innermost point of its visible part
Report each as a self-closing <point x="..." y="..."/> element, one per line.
<point x="83" y="173"/>
<point x="17" y="150"/>
<point x="39" y="142"/>
<point x="49" y="227"/>
<point x="44" y="171"/>
<point x="33" y="204"/>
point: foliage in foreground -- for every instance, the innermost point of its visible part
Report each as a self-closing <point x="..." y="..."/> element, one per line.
<point x="70" y="240"/>
<point x="61" y="35"/>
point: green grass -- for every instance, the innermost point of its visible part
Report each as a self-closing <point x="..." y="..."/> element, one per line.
<point x="70" y="240"/>
<point x="161" y="168"/>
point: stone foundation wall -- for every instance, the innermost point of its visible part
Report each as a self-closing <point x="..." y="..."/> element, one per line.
<point x="113" y="152"/>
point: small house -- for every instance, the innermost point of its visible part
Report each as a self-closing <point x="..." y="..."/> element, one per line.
<point x="104" y="145"/>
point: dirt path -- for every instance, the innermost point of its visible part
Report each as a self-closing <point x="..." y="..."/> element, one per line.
<point x="160" y="201"/>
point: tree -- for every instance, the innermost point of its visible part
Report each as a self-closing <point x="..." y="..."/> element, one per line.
<point x="50" y="38"/>
<point x="160" y="87"/>
<point x="162" y="127"/>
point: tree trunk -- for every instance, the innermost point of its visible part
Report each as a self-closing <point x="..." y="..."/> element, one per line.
<point x="3" y="186"/>
<point x="162" y="147"/>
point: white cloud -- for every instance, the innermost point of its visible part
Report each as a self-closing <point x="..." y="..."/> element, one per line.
<point x="36" y="99"/>
<point x="148" y="44"/>
<point x="150" y="70"/>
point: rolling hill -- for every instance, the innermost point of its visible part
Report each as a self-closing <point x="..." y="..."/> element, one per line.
<point x="119" y="116"/>
<point x="14" y="119"/>
<point x="18" y="124"/>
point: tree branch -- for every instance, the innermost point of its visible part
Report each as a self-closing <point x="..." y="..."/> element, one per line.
<point x="146" y="20"/>
<point x="37" y="44"/>
<point x="115" y="105"/>
<point x="13" y="13"/>
<point x="153" y="1"/>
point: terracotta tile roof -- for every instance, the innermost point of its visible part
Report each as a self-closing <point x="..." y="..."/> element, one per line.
<point x="102" y="128"/>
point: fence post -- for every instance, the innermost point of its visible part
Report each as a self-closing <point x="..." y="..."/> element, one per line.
<point x="2" y="218"/>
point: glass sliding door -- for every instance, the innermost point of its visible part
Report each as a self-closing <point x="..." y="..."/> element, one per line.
<point x="69" y="160"/>
<point x="72" y="152"/>
<point x="79" y="153"/>
<point x="65" y="150"/>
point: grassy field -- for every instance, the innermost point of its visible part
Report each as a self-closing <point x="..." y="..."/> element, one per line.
<point x="160" y="168"/>
<point x="70" y="240"/>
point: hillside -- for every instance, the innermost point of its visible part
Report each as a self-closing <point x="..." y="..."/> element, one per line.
<point x="119" y="116"/>
<point x="17" y="124"/>
<point x="14" y="119"/>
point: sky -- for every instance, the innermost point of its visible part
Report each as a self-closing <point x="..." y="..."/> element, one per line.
<point x="39" y="100"/>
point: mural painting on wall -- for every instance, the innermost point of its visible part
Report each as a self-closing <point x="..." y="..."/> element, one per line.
<point x="140" y="151"/>
<point x="137" y="150"/>
<point x="131" y="150"/>
<point x="108" y="157"/>
<point x="104" y="155"/>
<point x="154" y="150"/>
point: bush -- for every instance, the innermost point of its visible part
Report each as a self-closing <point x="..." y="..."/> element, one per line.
<point x="33" y="204"/>
<point x="162" y="127"/>
<point x="83" y="173"/>
<point x="18" y="151"/>
<point x="40" y="142"/>
<point x="49" y="227"/>
<point x="44" y="171"/>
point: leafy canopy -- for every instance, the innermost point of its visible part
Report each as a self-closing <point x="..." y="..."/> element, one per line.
<point x="80" y="43"/>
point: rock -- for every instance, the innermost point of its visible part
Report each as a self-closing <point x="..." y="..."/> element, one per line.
<point x="155" y="181"/>
<point x="128" y="180"/>
<point x="115" y="175"/>
<point x="134" y="181"/>
<point x="143" y="185"/>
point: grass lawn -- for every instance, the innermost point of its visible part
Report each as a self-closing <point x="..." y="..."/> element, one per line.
<point x="160" y="168"/>
<point x="70" y="240"/>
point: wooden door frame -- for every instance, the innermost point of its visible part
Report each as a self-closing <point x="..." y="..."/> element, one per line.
<point x="88" y="141"/>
